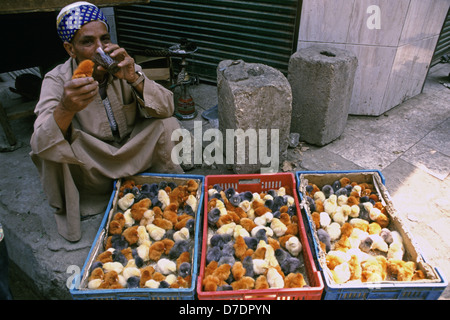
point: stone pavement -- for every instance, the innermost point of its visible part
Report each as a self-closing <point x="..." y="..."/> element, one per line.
<point x="410" y="145"/>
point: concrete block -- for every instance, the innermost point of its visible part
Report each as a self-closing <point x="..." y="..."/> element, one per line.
<point x="257" y="99"/>
<point x="321" y="79"/>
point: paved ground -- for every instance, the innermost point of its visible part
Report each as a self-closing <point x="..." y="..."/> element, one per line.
<point x="410" y="145"/>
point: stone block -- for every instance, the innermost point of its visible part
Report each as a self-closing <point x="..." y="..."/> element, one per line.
<point x="321" y="79"/>
<point x="257" y="99"/>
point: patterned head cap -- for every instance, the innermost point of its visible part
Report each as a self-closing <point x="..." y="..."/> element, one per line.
<point x="72" y="17"/>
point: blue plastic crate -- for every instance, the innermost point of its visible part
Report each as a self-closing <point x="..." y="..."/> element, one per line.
<point x="143" y="293"/>
<point x="373" y="291"/>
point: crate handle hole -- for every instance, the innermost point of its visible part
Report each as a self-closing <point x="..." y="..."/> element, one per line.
<point x="249" y="181"/>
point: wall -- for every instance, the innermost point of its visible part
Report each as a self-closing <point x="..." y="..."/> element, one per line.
<point x="393" y="40"/>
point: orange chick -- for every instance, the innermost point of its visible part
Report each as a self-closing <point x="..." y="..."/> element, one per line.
<point x="355" y="268"/>
<point x="131" y="235"/>
<point x="245" y="283"/>
<point x="294" y="280"/>
<point x="346" y="229"/>
<point x="138" y="209"/>
<point x="111" y="281"/>
<point x="261" y="283"/>
<point x="84" y="69"/>
<point x="211" y="267"/>
<point x="316" y="219"/>
<point x="168" y="244"/>
<point x="184" y="257"/>
<point x="163" y="223"/>
<point x="146" y="274"/>
<point x="240" y="247"/>
<point x="192" y="185"/>
<point x="319" y="206"/>
<point x="238" y="270"/>
<point x="97" y="273"/>
<point x="401" y="270"/>
<point x="222" y="272"/>
<point x="156" y="250"/>
<point x="261" y="210"/>
<point x="344" y="181"/>
<point x="210" y="283"/>
<point x="117" y="223"/>
<point x="105" y="256"/>
<point x="247" y="224"/>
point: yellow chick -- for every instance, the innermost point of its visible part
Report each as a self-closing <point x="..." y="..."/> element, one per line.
<point x="94" y="284"/>
<point x="192" y="202"/>
<point x="281" y="192"/>
<point x="339" y="216"/>
<point x="245" y="205"/>
<point x="126" y="201"/>
<point x="143" y="251"/>
<point x="143" y="235"/>
<point x="152" y="284"/>
<point x="129" y="221"/>
<point x="155" y="232"/>
<point x="147" y="218"/>
<point x="270" y="254"/>
<point x="396" y="251"/>
<point x="163" y="197"/>
<point x="240" y="231"/>
<point x="274" y="278"/>
<point x="260" y="266"/>
<point x="165" y="266"/>
<point x="341" y="273"/>
<point x="264" y="219"/>
<point x="278" y="227"/>
<point x="357" y="189"/>
<point x="378" y="243"/>
<point x="325" y="219"/>
<point x="334" y="230"/>
<point x="128" y="272"/>
<point x="227" y="229"/>
<point x="354" y="211"/>
<point x="182" y="234"/>
<point x="113" y="266"/>
<point x="294" y="246"/>
<point x="319" y="195"/>
<point x="342" y="200"/>
<point x="330" y="205"/>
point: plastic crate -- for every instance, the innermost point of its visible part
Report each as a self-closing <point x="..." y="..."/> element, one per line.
<point x="79" y="293"/>
<point x="260" y="183"/>
<point x="398" y="290"/>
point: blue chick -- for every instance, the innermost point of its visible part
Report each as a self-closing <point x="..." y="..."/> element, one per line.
<point x="213" y="216"/>
<point x="185" y="269"/>
<point x="327" y="190"/>
<point x="247" y="263"/>
<point x="325" y="238"/>
<point x="133" y="282"/>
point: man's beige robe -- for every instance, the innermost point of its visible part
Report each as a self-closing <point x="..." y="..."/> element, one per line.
<point x="77" y="174"/>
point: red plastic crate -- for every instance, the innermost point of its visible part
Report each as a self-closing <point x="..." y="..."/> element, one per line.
<point x="261" y="183"/>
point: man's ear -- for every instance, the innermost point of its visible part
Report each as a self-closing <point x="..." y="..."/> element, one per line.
<point x="69" y="49"/>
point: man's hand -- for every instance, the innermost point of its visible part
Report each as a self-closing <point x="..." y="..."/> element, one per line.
<point x="126" y="63"/>
<point x="78" y="93"/>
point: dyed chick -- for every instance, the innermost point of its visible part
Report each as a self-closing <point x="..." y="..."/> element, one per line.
<point x="294" y="280"/>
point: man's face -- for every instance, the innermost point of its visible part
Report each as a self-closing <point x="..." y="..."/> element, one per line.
<point x="86" y="40"/>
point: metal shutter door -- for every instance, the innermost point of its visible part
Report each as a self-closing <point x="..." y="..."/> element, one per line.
<point x="443" y="45"/>
<point x="262" y="31"/>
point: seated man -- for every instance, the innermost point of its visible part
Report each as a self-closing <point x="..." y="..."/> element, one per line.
<point x="92" y="130"/>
